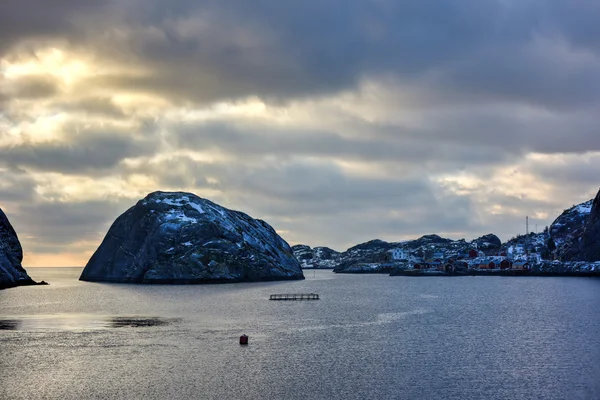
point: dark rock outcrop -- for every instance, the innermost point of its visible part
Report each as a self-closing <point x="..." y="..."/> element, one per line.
<point x="181" y="238"/>
<point x="317" y="258"/>
<point x="12" y="274"/>
<point x="369" y="253"/>
<point x="488" y="242"/>
<point x="570" y="223"/>
<point x="427" y="240"/>
<point x="585" y="245"/>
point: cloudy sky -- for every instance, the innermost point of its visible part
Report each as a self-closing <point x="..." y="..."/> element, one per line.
<point x="335" y="121"/>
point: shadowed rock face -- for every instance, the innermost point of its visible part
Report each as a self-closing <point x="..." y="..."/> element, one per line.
<point x="488" y="242"/>
<point x="11" y="255"/>
<point x="591" y="234"/>
<point x="586" y="245"/>
<point x="181" y="238"/>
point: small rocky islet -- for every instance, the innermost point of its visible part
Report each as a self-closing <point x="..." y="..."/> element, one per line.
<point x="180" y="238"/>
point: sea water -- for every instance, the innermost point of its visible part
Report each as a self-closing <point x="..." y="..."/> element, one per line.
<point x="368" y="337"/>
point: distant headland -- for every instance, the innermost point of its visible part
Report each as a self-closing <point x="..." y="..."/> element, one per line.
<point x="570" y="246"/>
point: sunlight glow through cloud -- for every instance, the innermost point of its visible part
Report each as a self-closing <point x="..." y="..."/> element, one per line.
<point x="372" y="127"/>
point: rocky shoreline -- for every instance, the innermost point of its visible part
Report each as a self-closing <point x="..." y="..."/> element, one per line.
<point x="31" y="282"/>
<point x="595" y="274"/>
<point x="546" y="268"/>
<point x="200" y="281"/>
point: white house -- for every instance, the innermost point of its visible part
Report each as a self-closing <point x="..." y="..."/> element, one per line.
<point x="399" y="254"/>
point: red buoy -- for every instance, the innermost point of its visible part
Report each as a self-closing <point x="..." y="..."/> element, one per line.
<point x="243" y="339"/>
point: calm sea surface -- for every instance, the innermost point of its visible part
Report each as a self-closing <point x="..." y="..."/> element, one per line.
<point x="369" y="337"/>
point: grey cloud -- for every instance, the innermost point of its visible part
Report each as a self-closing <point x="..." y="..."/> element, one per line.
<point x="514" y="130"/>
<point x="379" y="143"/>
<point x="51" y="227"/>
<point x="32" y="87"/>
<point x="529" y="73"/>
<point x="298" y="186"/>
<point x="102" y="106"/>
<point x="322" y="202"/>
<point x="17" y="186"/>
<point x="459" y="139"/>
<point x="578" y="174"/>
<point x="92" y="152"/>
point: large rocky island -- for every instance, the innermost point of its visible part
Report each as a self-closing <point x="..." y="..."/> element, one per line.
<point x="177" y="237"/>
<point x="12" y="273"/>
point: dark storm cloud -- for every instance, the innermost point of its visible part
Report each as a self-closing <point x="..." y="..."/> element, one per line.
<point x="89" y="151"/>
<point x="289" y="50"/>
<point x="207" y="51"/>
<point x="39" y="19"/>
<point x="577" y="22"/>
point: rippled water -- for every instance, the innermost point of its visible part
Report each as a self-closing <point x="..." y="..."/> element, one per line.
<point x="369" y="337"/>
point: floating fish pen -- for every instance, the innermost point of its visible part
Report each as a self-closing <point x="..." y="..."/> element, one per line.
<point x="301" y="296"/>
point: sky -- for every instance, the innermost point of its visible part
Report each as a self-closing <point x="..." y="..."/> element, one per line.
<point x="337" y="122"/>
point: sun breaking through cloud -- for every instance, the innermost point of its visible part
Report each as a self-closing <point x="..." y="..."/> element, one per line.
<point x="336" y="122"/>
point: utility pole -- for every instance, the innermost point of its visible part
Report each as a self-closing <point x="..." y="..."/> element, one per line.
<point x="527" y="237"/>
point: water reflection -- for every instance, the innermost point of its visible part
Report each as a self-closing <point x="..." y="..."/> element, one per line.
<point x="137" y="322"/>
<point x="9" y="324"/>
<point x="82" y="322"/>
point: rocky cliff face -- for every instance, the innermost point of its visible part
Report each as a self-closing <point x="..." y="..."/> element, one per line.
<point x="584" y="244"/>
<point x="570" y="223"/>
<point x="182" y="238"/>
<point x="559" y="237"/>
<point x="11" y="255"/>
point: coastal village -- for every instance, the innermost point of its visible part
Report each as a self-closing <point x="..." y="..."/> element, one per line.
<point x="554" y="250"/>
<point x="430" y="254"/>
<point x="516" y="258"/>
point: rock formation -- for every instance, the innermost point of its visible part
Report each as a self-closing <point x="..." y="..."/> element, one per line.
<point x="488" y="242"/>
<point x="585" y="246"/>
<point x="570" y="223"/>
<point x="12" y="274"/>
<point x="317" y="258"/>
<point x="181" y="238"/>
